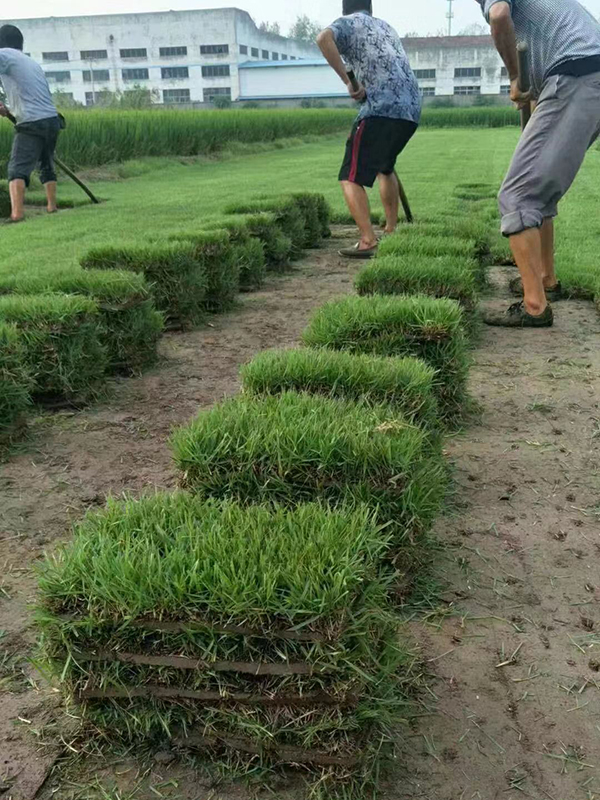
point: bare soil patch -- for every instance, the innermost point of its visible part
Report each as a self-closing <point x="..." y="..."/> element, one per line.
<point x="514" y="645"/>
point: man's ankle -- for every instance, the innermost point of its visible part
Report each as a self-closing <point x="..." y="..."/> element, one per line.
<point x="535" y="310"/>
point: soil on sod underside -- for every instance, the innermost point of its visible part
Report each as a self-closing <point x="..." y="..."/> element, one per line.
<point x="522" y="566"/>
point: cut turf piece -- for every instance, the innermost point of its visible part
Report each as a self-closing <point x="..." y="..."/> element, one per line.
<point x="444" y="276"/>
<point x="15" y="383"/>
<point x="214" y="253"/>
<point x="287" y="214"/>
<point x="62" y="339"/>
<point x="299" y="447"/>
<point x="411" y="241"/>
<point x="579" y="282"/>
<point x="424" y="327"/>
<point x="131" y="326"/>
<point x="274" y="622"/>
<point x="316" y="217"/>
<point x="179" y="281"/>
<point x="278" y="247"/>
<point x="476" y="191"/>
<point x="404" y="383"/>
<point x="248" y="249"/>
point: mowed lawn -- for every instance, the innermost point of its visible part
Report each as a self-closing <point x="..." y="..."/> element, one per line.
<point x="173" y="196"/>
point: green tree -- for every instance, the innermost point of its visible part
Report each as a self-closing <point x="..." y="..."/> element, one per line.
<point x="305" y="29"/>
<point x="270" y="27"/>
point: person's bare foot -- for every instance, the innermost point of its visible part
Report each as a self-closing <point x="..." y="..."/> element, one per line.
<point x="367" y="244"/>
<point x="53" y="210"/>
<point x="14" y="220"/>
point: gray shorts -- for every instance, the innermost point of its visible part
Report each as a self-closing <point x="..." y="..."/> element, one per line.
<point x="565" y="123"/>
<point x="34" y="146"/>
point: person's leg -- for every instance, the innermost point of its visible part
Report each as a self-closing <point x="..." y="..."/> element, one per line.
<point x="390" y="197"/>
<point x="48" y="171"/>
<point x="548" y="274"/>
<point x="50" y="188"/>
<point x="17" y="199"/>
<point x="358" y="205"/>
<point x="527" y="250"/>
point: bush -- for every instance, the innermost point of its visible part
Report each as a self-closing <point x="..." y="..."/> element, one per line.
<point x="248" y="250"/>
<point x="221" y="102"/>
<point x="298" y="447"/>
<point x="15" y="382"/>
<point x="214" y="254"/>
<point x="179" y="281"/>
<point x="62" y="344"/>
<point x="239" y="591"/>
<point x="404" y="383"/>
<point x="437" y="277"/>
<point x="130" y="325"/>
<point x="426" y="328"/>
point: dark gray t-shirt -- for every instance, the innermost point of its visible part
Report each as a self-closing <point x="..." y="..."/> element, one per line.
<point x="27" y="92"/>
<point x="555" y="30"/>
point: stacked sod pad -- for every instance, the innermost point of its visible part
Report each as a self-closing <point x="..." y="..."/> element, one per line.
<point x="130" y="325"/>
<point x="62" y="347"/>
<point x="419" y="326"/>
<point x="178" y="278"/>
<point x="406" y="384"/>
<point x="278" y="247"/>
<point x="259" y="635"/>
<point x="15" y="382"/>
<point x="298" y="447"/>
<point x="248" y="250"/>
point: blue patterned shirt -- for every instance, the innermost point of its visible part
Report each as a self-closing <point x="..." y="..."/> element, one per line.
<point x="373" y="49"/>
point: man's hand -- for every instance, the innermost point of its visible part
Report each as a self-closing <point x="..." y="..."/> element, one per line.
<point x="359" y="94"/>
<point x="4" y="112"/>
<point x="519" y="98"/>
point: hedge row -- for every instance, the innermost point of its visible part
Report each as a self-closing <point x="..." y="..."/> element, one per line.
<point x="129" y="292"/>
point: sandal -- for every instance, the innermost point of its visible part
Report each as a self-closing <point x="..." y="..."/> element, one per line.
<point x="356" y="252"/>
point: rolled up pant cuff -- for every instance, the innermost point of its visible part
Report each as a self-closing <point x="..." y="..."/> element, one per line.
<point x="519" y="221"/>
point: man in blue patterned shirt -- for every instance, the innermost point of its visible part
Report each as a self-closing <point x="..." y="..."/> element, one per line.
<point x="389" y="115"/>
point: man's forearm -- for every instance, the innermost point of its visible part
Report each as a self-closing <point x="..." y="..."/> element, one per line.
<point x="503" y="33"/>
<point x="329" y="49"/>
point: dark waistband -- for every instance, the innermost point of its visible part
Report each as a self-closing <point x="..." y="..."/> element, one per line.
<point x="577" y="67"/>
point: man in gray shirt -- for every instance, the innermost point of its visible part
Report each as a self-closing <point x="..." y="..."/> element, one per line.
<point x="38" y="124"/>
<point x="564" y="52"/>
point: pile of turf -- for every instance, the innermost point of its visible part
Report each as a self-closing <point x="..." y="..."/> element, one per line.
<point x="295" y="448"/>
<point x="278" y="247"/>
<point x="424" y="327"/>
<point x="315" y="210"/>
<point x="15" y="382"/>
<point x="259" y="635"/>
<point x="444" y="276"/>
<point x="248" y="250"/>
<point x="5" y="207"/>
<point x="178" y="279"/>
<point x="287" y="214"/>
<point x="406" y="384"/>
<point x="130" y="325"/>
<point x="62" y="342"/>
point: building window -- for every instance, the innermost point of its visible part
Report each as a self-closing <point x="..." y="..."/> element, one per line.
<point x="504" y="72"/>
<point x="61" y="55"/>
<point x="94" y="55"/>
<point x="255" y="52"/>
<point x="284" y="57"/>
<point x="244" y="49"/>
<point x="97" y="98"/>
<point x="216" y="72"/>
<point x="58" y="77"/>
<point x="427" y="91"/>
<point x="134" y="52"/>
<point x="210" y="94"/>
<point x="169" y="52"/>
<point x="505" y="89"/>
<point x="172" y="73"/>
<point x="265" y="55"/>
<point x="138" y="74"/>
<point x="214" y="49"/>
<point x="467" y="72"/>
<point x="425" y="74"/>
<point x="96" y="75"/>
<point x="467" y="90"/>
<point x="275" y="56"/>
<point x="293" y="58"/>
<point x="171" y="96"/>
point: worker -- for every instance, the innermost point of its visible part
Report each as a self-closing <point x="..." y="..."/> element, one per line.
<point x="563" y="41"/>
<point x="37" y="122"/>
<point x="388" y="117"/>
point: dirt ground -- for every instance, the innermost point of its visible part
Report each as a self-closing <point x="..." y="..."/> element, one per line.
<point x="513" y="644"/>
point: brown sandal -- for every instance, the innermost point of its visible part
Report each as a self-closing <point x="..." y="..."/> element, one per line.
<point x="356" y="252"/>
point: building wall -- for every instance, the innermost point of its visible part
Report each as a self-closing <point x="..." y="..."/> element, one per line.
<point x="115" y="32"/>
<point x="268" y="81"/>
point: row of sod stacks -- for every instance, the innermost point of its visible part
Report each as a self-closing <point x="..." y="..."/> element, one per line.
<point x="261" y="636"/>
<point x="76" y="325"/>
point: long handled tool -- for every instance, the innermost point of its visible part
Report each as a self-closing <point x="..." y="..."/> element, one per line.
<point x="66" y="170"/>
<point x="403" y="196"/>
<point x="524" y="81"/>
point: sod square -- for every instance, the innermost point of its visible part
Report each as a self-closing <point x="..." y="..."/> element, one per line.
<point x="423" y="327"/>
<point x="288" y="215"/>
<point x="15" y="382"/>
<point x="62" y="341"/>
<point x="412" y="241"/>
<point x="406" y="384"/>
<point x="248" y="250"/>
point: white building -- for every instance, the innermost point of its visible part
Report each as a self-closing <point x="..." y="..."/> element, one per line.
<point x="182" y="56"/>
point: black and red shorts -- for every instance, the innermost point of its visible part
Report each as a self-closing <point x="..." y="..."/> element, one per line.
<point x="373" y="148"/>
